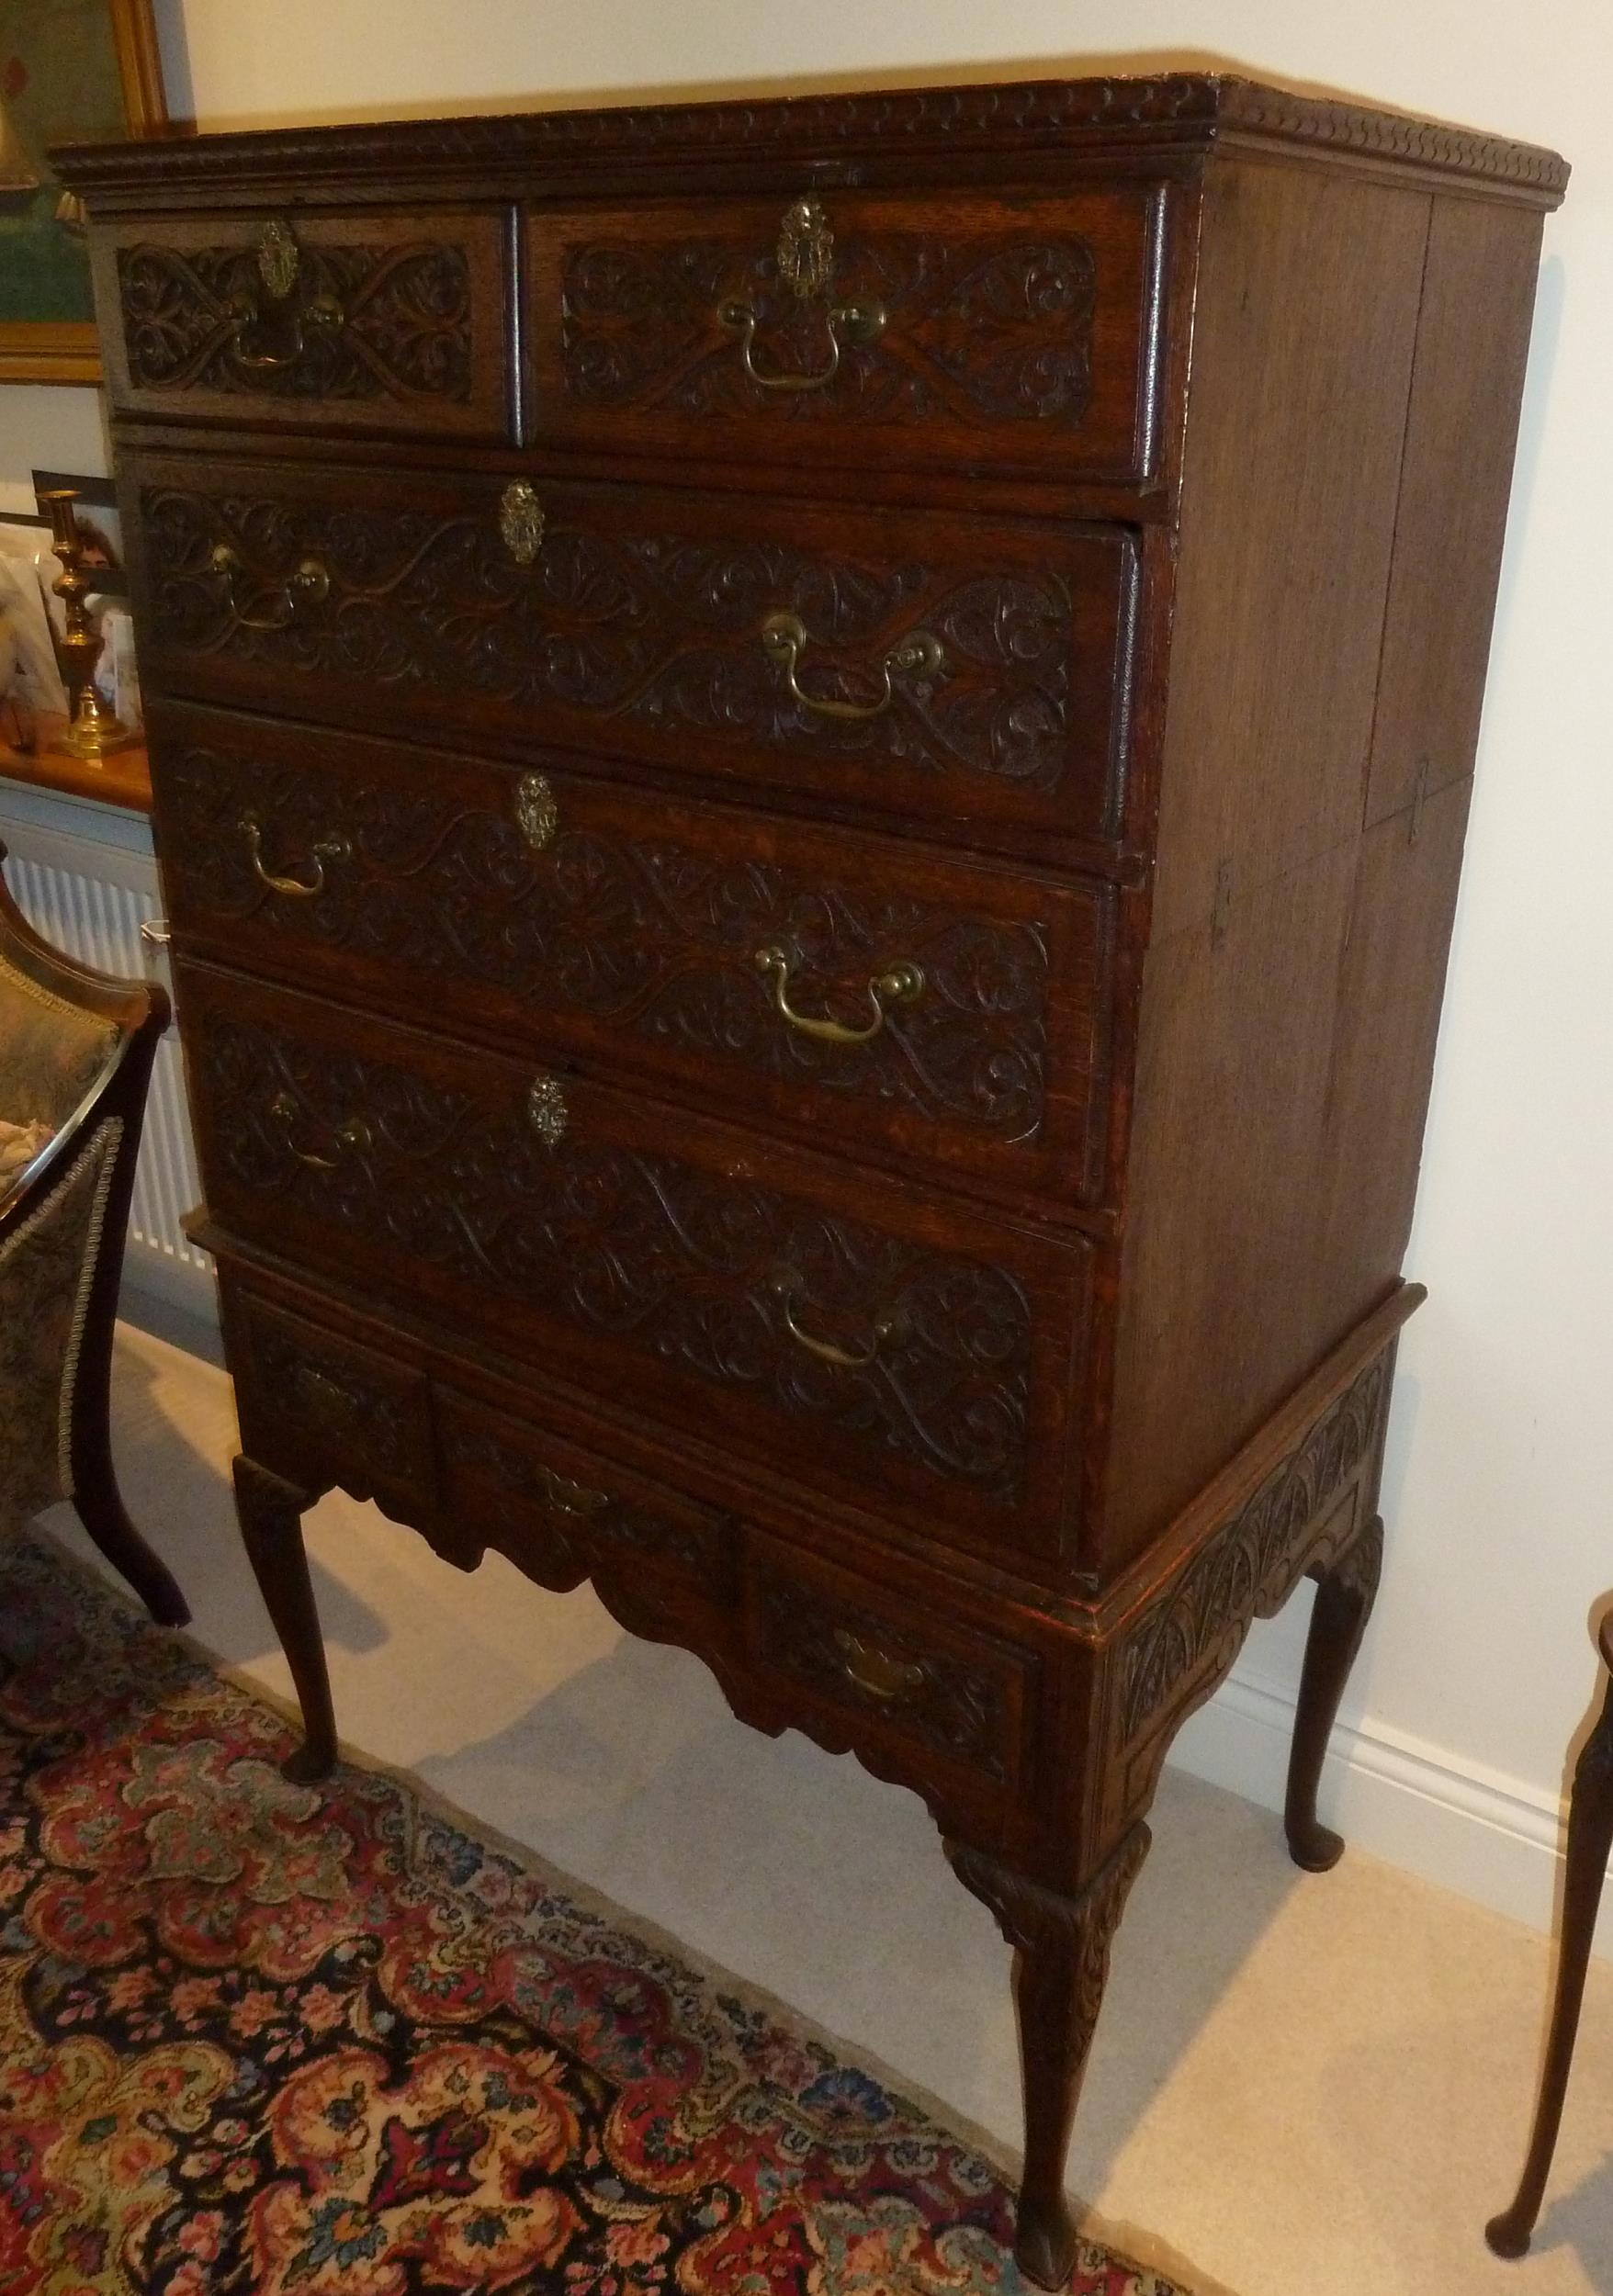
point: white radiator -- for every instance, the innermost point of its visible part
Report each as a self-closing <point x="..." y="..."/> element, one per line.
<point x="86" y="880"/>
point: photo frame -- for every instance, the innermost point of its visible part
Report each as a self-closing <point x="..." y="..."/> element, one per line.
<point x="71" y="71"/>
<point x="99" y="523"/>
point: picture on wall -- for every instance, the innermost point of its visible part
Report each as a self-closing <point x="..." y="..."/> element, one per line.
<point x="71" y="72"/>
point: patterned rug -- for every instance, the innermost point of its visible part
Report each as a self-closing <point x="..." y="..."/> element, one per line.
<point x="254" y="2038"/>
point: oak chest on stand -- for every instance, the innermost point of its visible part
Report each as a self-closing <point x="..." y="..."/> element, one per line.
<point x="810" y="766"/>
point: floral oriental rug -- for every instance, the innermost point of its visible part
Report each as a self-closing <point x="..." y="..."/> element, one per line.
<point x="261" y="2039"/>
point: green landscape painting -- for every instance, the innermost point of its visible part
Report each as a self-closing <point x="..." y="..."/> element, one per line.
<point x="59" y="83"/>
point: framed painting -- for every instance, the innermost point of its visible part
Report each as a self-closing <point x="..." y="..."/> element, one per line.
<point x="71" y="72"/>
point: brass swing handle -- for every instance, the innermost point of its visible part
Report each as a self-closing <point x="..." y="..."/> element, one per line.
<point x="328" y="849"/>
<point x="322" y="312"/>
<point x="308" y="585"/>
<point x="918" y="655"/>
<point x="849" y="324"/>
<point x="887" y="1326"/>
<point x="876" y="1671"/>
<point x="901" y="985"/>
<point x="569" y="1497"/>
<point x="353" y="1137"/>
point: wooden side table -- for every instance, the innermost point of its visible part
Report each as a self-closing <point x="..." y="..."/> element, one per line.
<point x="1590" y="1838"/>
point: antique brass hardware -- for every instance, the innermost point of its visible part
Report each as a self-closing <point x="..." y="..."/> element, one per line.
<point x="805" y="249"/>
<point x="535" y="810"/>
<point x="569" y="1497"/>
<point x="330" y="1399"/>
<point x="280" y="261"/>
<point x="876" y="1671"/>
<point x="901" y="985"/>
<point x="328" y="849"/>
<point x="520" y="521"/>
<point x="355" y="1136"/>
<point x="805" y="263"/>
<point x="917" y="656"/>
<point x="546" y="1110"/>
<point x="309" y="585"/>
<point x="890" y="1325"/>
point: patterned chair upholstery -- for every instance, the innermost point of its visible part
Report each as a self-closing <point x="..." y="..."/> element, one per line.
<point x="76" y="1059"/>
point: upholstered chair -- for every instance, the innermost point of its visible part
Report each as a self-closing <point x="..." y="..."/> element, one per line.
<point x="76" y="1059"/>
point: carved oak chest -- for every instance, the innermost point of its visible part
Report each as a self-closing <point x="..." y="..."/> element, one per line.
<point x="811" y="762"/>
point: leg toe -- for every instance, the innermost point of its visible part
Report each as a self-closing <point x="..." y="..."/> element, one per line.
<point x="1506" y="2236"/>
<point x="1314" y="1848"/>
<point x="1046" y="2245"/>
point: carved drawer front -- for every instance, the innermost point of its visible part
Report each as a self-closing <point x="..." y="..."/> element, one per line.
<point x="312" y="1401"/>
<point x="563" y="1514"/>
<point x="391" y="323"/>
<point x="834" y="981"/>
<point x="918" y="666"/>
<point x="914" y="1692"/>
<point x="841" y="328"/>
<point x="884" y="1346"/>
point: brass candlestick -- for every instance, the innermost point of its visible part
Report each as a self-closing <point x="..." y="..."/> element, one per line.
<point x="92" y="731"/>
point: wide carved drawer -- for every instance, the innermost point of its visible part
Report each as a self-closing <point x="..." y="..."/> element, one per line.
<point x="394" y="323"/>
<point x="907" y="1688"/>
<point x="844" y="982"/>
<point x="312" y="1401"/>
<point x="850" y="329"/>
<point x="887" y="1347"/>
<point x="929" y="669"/>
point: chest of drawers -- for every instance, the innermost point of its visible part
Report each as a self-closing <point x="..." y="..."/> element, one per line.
<point x="810" y="764"/>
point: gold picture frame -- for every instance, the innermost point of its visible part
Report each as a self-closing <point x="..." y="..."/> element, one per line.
<point x="68" y="351"/>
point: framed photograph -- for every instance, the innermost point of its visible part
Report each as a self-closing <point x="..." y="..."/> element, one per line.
<point x="71" y="72"/>
<point x="99" y="527"/>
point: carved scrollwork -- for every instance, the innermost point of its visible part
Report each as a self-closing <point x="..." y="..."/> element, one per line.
<point x="584" y="1520"/>
<point x="657" y="631"/>
<point x="655" y="937"/>
<point x="678" y="1263"/>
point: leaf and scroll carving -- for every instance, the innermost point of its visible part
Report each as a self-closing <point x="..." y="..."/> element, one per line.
<point x="988" y="331"/>
<point x="405" y="329"/>
<point x="655" y="937"/>
<point x="700" y="1271"/>
<point x="582" y="1521"/>
<point x="656" y="631"/>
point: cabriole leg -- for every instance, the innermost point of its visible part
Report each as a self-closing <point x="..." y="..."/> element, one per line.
<point x="1061" y="1960"/>
<point x="1344" y="1593"/>
<point x="270" y="1511"/>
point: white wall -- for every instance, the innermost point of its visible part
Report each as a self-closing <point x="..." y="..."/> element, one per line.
<point x="1501" y="1470"/>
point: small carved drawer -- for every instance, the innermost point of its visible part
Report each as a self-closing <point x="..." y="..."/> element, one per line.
<point x="305" y="1396"/>
<point x="845" y="984"/>
<point x="923" y="667"/>
<point x="852" y="328"/>
<point x="904" y="1687"/>
<point x="395" y="323"/>
<point x="897" y="1352"/>
<point x="561" y="1514"/>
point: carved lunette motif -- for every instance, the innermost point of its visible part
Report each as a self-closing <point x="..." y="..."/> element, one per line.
<point x="405" y="329"/>
<point x="651" y="936"/>
<point x="700" y="1271"/>
<point x="1190" y="107"/>
<point x="660" y="631"/>
<point x="1249" y="1566"/>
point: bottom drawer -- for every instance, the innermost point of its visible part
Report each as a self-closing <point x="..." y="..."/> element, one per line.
<point x="315" y="1406"/>
<point x="916" y="1691"/>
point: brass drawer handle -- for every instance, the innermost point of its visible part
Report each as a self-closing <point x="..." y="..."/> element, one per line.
<point x="520" y="521"/>
<point x="852" y="324"/>
<point x="918" y="656"/>
<point x="327" y="1396"/>
<point x="887" y="1326"/>
<point x="355" y="1137"/>
<point x="875" y="1672"/>
<point x="901" y="985"/>
<point x="279" y="259"/>
<point x="537" y="814"/>
<point x="569" y="1497"/>
<point x="309" y="585"/>
<point x="328" y="849"/>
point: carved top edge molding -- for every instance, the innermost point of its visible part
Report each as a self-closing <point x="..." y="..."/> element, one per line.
<point x="1178" y="108"/>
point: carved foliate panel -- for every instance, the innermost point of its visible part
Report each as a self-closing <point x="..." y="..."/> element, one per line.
<point x="398" y="323"/>
<point x="364" y="1418"/>
<point x="646" y="639"/>
<point x="982" y="331"/>
<point x="649" y="935"/>
<point x="920" y="1354"/>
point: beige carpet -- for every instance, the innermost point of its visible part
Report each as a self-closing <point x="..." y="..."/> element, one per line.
<point x="1304" y="2086"/>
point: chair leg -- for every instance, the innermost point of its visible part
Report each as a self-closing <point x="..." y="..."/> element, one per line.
<point x="270" y="1512"/>
<point x="1590" y="1838"/>
<point x="100" y="1509"/>
<point x="1344" y="1594"/>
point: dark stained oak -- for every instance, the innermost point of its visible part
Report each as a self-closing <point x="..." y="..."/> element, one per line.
<point x="811" y="888"/>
